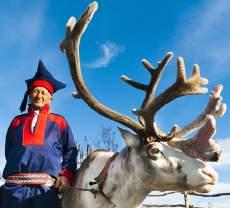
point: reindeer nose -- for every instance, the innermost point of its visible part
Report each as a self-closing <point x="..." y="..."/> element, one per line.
<point x="215" y="157"/>
<point x="210" y="174"/>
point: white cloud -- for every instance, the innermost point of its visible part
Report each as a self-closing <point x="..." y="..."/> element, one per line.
<point x="109" y="52"/>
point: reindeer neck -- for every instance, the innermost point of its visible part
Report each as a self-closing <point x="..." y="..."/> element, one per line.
<point x="123" y="185"/>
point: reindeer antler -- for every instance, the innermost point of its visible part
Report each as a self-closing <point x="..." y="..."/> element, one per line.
<point x="182" y="86"/>
<point x="147" y="127"/>
<point x="70" y="46"/>
<point x="214" y="107"/>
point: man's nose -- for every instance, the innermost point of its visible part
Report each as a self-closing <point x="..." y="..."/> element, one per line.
<point x="39" y="95"/>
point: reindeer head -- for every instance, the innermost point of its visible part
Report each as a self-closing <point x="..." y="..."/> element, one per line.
<point x="166" y="168"/>
<point x="151" y="139"/>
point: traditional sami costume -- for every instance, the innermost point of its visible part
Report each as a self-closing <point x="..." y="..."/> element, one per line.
<point x="37" y="156"/>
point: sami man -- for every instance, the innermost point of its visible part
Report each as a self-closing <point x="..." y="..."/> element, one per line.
<point x="40" y="149"/>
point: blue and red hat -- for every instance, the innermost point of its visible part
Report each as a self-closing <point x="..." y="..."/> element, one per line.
<point x="42" y="78"/>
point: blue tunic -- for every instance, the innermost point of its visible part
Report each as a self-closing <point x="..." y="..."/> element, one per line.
<point x="49" y="149"/>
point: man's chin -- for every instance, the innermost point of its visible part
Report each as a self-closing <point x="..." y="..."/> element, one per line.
<point x="37" y="106"/>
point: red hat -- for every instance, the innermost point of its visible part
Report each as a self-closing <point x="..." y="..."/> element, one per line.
<point x="42" y="83"/>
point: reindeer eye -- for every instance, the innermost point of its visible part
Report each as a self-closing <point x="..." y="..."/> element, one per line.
<point x="152" y="153"/>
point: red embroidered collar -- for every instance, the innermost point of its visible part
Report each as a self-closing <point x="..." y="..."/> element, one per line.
<point x="36" y="137"/>
<point x="45" y="109"/>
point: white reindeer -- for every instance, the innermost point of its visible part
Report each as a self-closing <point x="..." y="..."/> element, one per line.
<point x="151" y="160"/>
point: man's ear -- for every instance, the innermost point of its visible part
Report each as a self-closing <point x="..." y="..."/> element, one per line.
<point x="131" y="139"/>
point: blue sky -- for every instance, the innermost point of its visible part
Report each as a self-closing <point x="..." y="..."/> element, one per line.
<point x="120" y="35"/>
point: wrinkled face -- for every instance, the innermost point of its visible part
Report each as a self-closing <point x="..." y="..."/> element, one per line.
<point x="39" y="97"/>
<point x="167" y="168"/>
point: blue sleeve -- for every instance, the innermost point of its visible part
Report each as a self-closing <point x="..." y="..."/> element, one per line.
<point x="69" y="150"/>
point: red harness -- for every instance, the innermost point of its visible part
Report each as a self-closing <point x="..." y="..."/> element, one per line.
<point x="101" y="178"/>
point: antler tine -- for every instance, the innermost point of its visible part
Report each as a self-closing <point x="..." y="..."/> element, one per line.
<point x="133" y="83"/>
<point x="149" y="89"/>
<point x="76" y="95"/>
<point x="155" y="77"/>
<point x="70" y="46"/>
<point x="183" y="86"/>
<point x="214" y="107"/>
<point x="147" y="65"/>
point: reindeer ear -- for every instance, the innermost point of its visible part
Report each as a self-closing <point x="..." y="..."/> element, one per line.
<point x="131" y="139"/>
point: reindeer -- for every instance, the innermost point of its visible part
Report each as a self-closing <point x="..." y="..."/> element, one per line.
<point x="152" y="160"/>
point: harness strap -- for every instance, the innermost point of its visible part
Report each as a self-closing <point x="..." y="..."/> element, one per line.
<point x="94" y="192"/>
<point x="101" y="178"/>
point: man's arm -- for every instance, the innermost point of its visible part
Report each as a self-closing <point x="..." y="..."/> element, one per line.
<point x="69" y="163"/>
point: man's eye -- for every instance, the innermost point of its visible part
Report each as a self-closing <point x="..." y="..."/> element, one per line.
<point x="35" y="92"/>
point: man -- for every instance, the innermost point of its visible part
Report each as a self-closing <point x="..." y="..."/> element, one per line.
<point x="40" y="149"/>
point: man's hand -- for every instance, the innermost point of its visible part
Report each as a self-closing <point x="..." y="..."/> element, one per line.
<point x="62" y="184"/>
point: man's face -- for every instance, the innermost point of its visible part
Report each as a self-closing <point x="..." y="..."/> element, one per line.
<point x="39" y="97"/>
